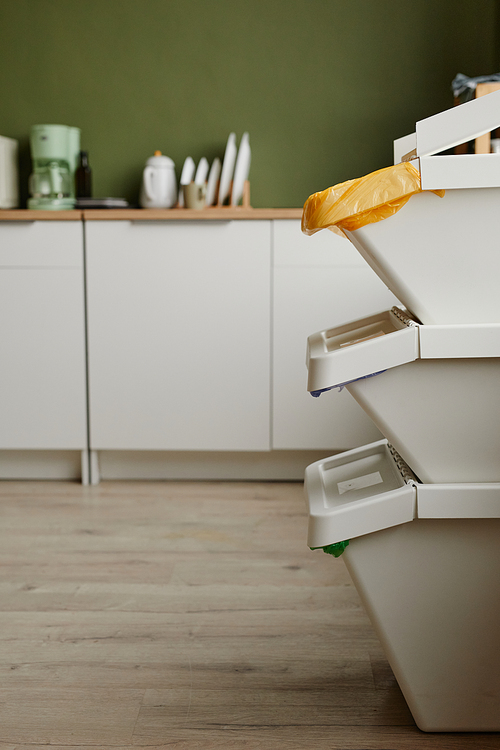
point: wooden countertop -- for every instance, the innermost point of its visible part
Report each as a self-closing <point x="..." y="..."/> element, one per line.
<point x="152" y="214"/>
<point x="188" y="214"/>
<point x="23" y="214"/>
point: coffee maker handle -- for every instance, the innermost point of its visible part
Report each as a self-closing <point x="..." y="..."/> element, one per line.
<point x="55" y="178"/>
<point x="148" y="179"/>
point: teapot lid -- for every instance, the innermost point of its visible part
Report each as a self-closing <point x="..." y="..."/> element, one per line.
<point x="158" y="160"/>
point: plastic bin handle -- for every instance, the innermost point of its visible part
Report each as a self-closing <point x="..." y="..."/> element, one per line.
<point x="360" y="517"/>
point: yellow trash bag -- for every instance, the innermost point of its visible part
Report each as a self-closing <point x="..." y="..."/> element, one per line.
<point x="355" y="203"/>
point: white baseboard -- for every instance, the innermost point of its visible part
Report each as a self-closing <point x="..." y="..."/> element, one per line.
<point x="207" y="465"/>
<point x="156" y="465"/>
<point x="38" y="464"/>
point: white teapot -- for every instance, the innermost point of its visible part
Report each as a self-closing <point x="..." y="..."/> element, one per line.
<point x="159" y="186"/>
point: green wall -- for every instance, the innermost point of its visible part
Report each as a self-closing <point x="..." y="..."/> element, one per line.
<point x="322" y="86"/>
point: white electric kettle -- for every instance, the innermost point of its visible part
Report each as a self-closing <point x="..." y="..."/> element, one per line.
<point x="159" y="186"/>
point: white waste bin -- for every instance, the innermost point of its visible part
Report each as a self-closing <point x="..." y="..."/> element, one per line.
<point x="422" y="544"/>
<point x="439" y="255"/>
<point x="425" y="560"/>
<point x="431" y="390"/>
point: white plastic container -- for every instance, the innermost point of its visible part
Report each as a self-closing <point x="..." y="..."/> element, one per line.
<point x="425" y="561"/>
<point x="435" y="397"/>
<point x="9" y="173"/>
<point x="439" y="256"/>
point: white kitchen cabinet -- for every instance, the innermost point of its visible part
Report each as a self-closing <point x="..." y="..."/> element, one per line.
<point x="319" y="282"/>
<point x="196" y="334"/>
<point x="42" y="337"/>
<point x="179" y="323"/>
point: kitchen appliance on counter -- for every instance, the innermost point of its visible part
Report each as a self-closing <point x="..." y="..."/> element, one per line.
<point x="55" y="151"/>
<point x="9" y="173"/>
<point x="159" y="185"/>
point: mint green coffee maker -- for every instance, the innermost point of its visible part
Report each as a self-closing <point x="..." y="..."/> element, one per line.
<point x="55" y="151"/>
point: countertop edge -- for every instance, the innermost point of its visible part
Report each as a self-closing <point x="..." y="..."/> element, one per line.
<point x="189" y="214"/>
<point x="24" y="214"/>
<point x="152" y="214"/>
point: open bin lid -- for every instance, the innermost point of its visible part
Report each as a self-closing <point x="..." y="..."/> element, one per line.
<point x="445" y="130"/>
<point x="356" y="493"/>
<point x="458" y="124"/>
<point x="371" y="488"/>
<point x="337" y="356"/>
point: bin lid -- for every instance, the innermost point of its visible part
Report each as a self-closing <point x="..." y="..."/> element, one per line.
<point x="442" y="132"/>
<point x="356" y="493"/>
<point x="337" y="356"/>
<point x="371" y="488"/>
<point x="458" y="125"/>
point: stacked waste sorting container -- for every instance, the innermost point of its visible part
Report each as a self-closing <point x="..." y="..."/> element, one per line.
<point x="416" y="515"/>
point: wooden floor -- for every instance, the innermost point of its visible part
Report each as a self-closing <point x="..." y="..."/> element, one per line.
<point x="186" y="615"/>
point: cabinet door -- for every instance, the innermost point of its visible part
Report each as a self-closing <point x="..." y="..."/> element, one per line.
<point x="179" y="335"/>
<point x="42" y="336"/>
<point x="319" y="282"/>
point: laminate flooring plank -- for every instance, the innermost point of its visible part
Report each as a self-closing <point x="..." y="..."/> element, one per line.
<point x="52" y="716"/>
<point x="297" y="738"/>
<point x="210" y="627"/>
<point x="161" y="567"/>
<point x="300" y="707"/>
<point x="256" y="676"/>
<point x="294" y="739"/>
<point x="108" y="596"/>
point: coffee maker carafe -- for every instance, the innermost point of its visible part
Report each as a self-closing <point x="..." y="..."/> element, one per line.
<point x="54" y="152"/>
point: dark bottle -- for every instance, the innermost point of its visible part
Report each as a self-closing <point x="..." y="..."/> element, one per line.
<point x="83" y="177"/>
